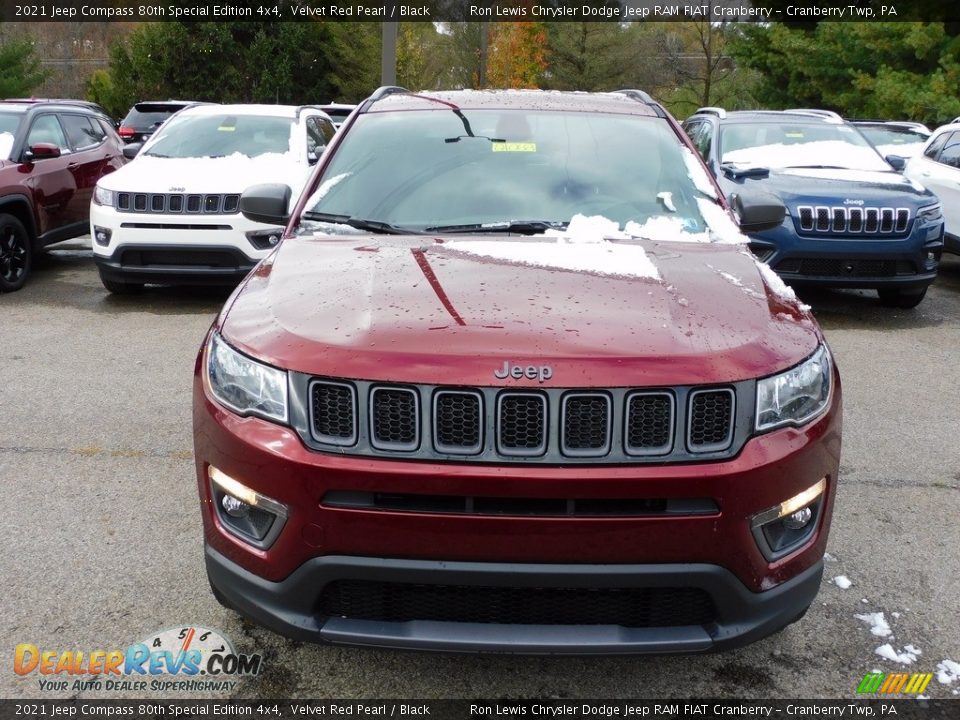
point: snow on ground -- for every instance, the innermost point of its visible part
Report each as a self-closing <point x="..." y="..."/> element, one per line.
<point x="842" y="582"/>
<point x="906" y="657"/>
<point x="829" y="558"/>
<point x="948" y="671"/>
<point x="878" y="623"/>
<point x="582" y="247"/>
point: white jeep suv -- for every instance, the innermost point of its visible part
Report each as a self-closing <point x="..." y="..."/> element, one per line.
<point x="172" y="216"/>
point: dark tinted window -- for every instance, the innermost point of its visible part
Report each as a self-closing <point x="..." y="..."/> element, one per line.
<point x="950" y="155"/>
<point x="933" y="149"/>
<point x="148" y="117"/>
<point x="82" y="131"/>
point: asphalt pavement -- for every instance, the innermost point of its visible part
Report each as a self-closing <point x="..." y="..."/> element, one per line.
<point x="104" y="539"/>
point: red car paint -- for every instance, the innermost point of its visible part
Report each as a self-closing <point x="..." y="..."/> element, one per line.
<point x="411" y="310"/>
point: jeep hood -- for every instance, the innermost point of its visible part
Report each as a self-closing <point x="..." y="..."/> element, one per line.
<point x="450" y="311"/>
<point x="834" y="186"/>
<point x="226" y="175"/>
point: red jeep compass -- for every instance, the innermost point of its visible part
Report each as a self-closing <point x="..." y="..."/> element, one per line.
<point x="512" y="382"/>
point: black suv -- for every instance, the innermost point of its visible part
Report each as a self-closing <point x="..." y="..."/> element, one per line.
<point x="145" y="117"/>
<point x="852" y="220"/>
<point x="51" y="156"/>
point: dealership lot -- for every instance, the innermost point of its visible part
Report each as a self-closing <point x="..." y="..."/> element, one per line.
<point x="105" y="543"/>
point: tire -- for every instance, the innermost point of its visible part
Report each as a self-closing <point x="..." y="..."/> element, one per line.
<point x="16" y="253"/>
<point x="119" y="287"/>
<point x="898" y="298"/>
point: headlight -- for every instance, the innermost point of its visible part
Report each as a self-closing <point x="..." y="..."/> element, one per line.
<point x="796" y="396"/>
<point x="244" y="385"/>
<point x="930" y="213"/>
<point x="102" y="196"/>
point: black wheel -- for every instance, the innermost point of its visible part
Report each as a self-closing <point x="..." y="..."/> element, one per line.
<point x="895" y="297"/>
<point x="119" y="287"/>
<point x="16" y="254"/>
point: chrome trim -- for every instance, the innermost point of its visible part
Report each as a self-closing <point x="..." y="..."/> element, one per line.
<point x="649" y="452"/>
<point x="608" y="434"/>
<point x="711" y="447"/>
<point x="458" y="449"/>
<point x="334" y="439"/>
<point x="523" y="452"/>
<point x="854" y="219"/>
<point x="401" y="447"/>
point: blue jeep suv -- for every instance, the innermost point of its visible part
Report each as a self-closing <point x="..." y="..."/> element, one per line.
<point x="852" y="221"/>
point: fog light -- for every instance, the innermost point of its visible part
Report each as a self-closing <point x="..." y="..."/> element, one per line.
<point x="101" y="235"/>
<point x="234" y="507"/>
<point x="265" y="239"/>
<point x="797" y="521"/>
<point x="785" y="527"/>
<point x="245" y="513"/>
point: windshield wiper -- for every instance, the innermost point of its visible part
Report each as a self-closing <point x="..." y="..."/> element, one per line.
<point x="374" y="226"/>
<point x="521" y="227"/>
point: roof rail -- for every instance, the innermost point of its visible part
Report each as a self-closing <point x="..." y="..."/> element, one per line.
<point x="301" y="108"/>
<point x="828" y="114"/>
<point x="711" y="110"/>
<point x="640" y="95"/>
<point x="384" y="90"/>
<point x="644" y="97"/>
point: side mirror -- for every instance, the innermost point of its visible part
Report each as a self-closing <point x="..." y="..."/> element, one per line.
<point x="312" y="157"/>
<point x="897" y="162"/>
<point x="130" y="151"/>
<point x="758" y="211"/>
<point x="41" y="151"/>
<point x="736" y="172"/>
<point x="266" y="203"/>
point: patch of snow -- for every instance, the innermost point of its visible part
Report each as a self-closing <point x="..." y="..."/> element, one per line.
<point x="878" y="623"/>
<point x="906" y="150"/>
<point x="912" y="649"/>
<point x="583" y="247"/>
<point x="864" y="601"/>
<point x="778" y="286"/>
<point x="719" y="220"/>
<point x="325" y="187"/>
<point x="697" y="173"/>
<point x="895" y="614"/>
<point x="947" y="672"/>
<point x="907" y="657"/>
<point x="6" y="145"/>
<point x="661" y="227"/>
<point x="829" y="558"/>
<point x="667" y="199"/>
<point x="842" y="582"/>
<point x="888" y="177"/>
<point x="836" y="153"/>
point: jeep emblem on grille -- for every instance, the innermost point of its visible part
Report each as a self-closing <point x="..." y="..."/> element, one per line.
<point x="848" y="201"/>
<point x="177" y="189"/>
<point x="541" y="373"/>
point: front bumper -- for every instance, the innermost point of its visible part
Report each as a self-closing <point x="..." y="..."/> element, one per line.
<point x="289" y="606"/>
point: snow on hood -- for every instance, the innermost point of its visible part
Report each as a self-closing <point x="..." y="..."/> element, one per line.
<point x="6" y="145"/>
<point x="230" y="174"/>
<point x="822" y="152"/>
<point x="584" y="246"/>
<point x="888" y="177"/>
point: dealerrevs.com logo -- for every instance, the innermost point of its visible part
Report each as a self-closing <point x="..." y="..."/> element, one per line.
<point x="189" y="658"/>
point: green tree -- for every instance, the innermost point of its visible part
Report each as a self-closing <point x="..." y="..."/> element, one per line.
<point x="586" y="56"/>
<point x="897" y="70"/>
<point x="20" y="70"/>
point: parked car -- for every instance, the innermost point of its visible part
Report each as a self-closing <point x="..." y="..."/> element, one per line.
<point x="937" y="167"/>
<point x="67" y="101"/>
<point x="894" y="139"/>
<point x="172" y="216"/>
<point x="144" y="118"/>
<point x="338" y="112"/>
<point x="853" y="221"/>
<point x="51" y="156"/>
<point x="512" y="382"/>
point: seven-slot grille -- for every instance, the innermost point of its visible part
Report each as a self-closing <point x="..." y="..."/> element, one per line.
<point x="177" y="204"/>
<point x="853" y="220"/>
<point x="522" y="425"/>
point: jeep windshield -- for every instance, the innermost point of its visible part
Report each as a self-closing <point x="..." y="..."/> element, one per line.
<point x="797" y="145"/>
<point x="496" y="171"/>
<point x="206" y="136"/>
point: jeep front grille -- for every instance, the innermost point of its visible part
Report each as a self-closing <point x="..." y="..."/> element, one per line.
<point x="175" y="204"/>
<point x="853" y="220"/>
<point x="552" y="425"/>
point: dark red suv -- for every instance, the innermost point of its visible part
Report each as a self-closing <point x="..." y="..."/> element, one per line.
<point x="512" y="382"/>
<point x="51" y="156"/>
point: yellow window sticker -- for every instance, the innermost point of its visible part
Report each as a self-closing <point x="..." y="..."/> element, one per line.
<point x="513" y="147"/>
<point x="794" y="134"/>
